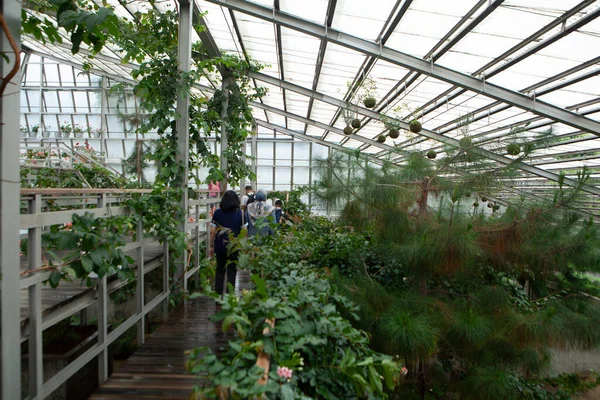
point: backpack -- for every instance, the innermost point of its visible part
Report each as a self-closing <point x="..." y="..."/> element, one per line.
<point x="250" y="199"/>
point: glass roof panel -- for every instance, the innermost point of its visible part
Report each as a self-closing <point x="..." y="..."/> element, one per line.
<point x="259" y="41"/>
<point x="340" y="65"/>
<point x="221" y="27"/>
<point x="312" y="10"/>
<point x="354" y="18"/>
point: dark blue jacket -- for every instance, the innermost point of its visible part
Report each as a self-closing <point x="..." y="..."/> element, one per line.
<point x="226" y="223"/>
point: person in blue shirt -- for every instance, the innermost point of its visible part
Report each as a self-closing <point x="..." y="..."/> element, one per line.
<point x="278" y="211"/>
<point x="227" y="220"/>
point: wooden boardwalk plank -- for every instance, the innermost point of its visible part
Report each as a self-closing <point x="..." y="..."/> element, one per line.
<point x="157" y="369"/>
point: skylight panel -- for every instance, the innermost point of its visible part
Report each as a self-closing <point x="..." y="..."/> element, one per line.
<point x="340" y="65"/>
<point x="312" y="10"/>
<point x="259" y="41"/>
<point x="355" y="18"/>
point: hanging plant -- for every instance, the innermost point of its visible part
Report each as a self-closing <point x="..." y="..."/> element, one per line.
<point x="348" y="130"/>
<point x="355" y="123"/>
<point x="496" y="207"/>
<point x="475" y="204"/>
<point x="467" y="194"/>
<point x="484" y="199"/>
<point x="393" y="125"/>
<point x="431" y="154"/>
<point x="369" y="102"/>
<point x="465" y="142"/>
<point x="415" y="126"/>
<point x="394" y="133"/>
<point x="490" y="204"/>
<point x="381" y="138"/>
<point x="513" y="149"/>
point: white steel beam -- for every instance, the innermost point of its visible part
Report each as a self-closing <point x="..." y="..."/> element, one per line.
<point x="10" y="11"/>
<point x="414" y="63"/>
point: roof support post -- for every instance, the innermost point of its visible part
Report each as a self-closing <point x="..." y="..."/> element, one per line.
<point x="183" y="120"/>
<point x="9" y="207"/>
<point x="414" y="63"/>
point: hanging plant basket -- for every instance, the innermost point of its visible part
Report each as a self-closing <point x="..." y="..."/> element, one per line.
<point x="484" y="199"/>
<point x="348" y="130"/>
<point x="431" y="154"/>
<point x="369" y="102"/>
<point x="356" y="123"/>
<point x="496" y="207"/>
<point x="513" y="149"/>
<point x="415" y="126"/>
<point x="381" y="138"/>
<point x="465" y="142"/>
<point x="394" y="133"/>
<point x="475" y="204"/>
<point x="490" y="204"/>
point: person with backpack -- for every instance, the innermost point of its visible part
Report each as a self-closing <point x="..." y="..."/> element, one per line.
<point x="260" y="210"/>
<point x="248" y="198"/>
<point x="228" y="219"/>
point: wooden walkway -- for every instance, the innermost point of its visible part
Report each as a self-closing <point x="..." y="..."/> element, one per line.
<point x="156" y="370"/>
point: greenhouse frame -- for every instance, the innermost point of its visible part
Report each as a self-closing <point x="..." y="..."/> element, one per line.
<point x="514" y="84"/>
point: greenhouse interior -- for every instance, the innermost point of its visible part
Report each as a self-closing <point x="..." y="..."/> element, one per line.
<point x="316" y="199"/>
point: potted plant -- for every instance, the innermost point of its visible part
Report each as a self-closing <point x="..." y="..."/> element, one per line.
<point x="96" y="133"/>
<point x="23" y="131"/>
<point x="46" y="132"/>
<point x="66" y="129"/>
<point x="34" y="130"/>
<point x="78" y="131"/>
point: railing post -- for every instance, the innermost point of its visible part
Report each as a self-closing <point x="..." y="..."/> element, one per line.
<point x="102" y="317"/>
<point x="197" y="243"/>
<point x="102" y="330"/>
<point x="36" y="359"/>
<point x="166" y="268"/>
<point x="139" y="292"/>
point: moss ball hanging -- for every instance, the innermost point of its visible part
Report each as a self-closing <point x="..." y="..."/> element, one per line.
<point x="490" y="204"/>
<point x="394" y="133"/>
<point x="356" y="123"/>
<point x="348" y="130"/>
<point x="467" y="194"/>
<point x="465" y="142"/>
<point x="369" y="102"/>
<point x="484" y="199"/>
<point x="475" y="204"/>
<point x="381" y="138"/>
<point x="431" y="154"/>
<point x="415" y="126"/>
<point x="496" y="207"/>
<point x="513" y="149"/>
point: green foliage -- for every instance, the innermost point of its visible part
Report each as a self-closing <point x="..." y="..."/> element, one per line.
<point x="292" y="202"/>
<point x="457" y="311"/>
<point x="329" y="358"/>
<point x="88" y="244"/>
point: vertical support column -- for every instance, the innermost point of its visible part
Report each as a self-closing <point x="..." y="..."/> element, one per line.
<point x="310" y="171"/>
<point x="10" y="361"/>
<point x="102" y="306"/>
<point x="103" y="122"/>
<point x="224" y="134"/>
<point x="208" y="235"/>
<point x="165" y="304"/>
<point x="139" y="290"/>
<point x="41" y="124"/>
<point x="183" y="120"/>
<point x="36" y="361"/>
<point x="254" y="154"/>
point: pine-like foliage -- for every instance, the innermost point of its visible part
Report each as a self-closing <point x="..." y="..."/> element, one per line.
<point x="481" y="296"/>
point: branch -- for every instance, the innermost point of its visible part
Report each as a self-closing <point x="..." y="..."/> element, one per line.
<point x="15" y="48"/>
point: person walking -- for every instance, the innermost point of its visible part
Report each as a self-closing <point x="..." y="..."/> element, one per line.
<point x="227" y="220"/>
<point x="260" y="210"/>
